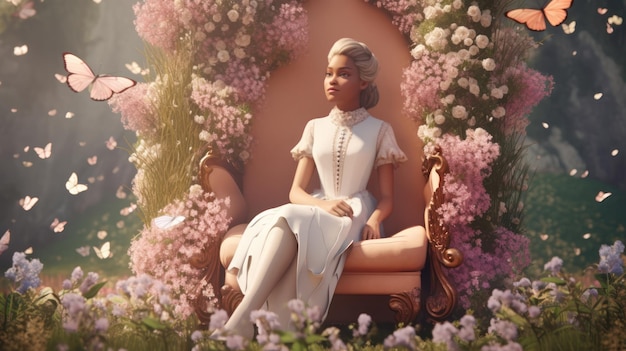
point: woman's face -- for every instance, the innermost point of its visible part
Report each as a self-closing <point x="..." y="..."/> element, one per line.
<point x="343" y="84"/>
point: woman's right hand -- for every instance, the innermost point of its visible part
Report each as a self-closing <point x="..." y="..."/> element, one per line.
<point x="337" y="208"/>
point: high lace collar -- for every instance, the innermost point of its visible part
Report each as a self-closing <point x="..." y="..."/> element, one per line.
<point x="347" y="118"/>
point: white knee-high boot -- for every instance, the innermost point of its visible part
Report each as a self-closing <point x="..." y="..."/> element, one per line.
<point x="279" y="251"/>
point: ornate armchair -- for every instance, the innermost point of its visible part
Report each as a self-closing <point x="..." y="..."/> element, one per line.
<point x="407" y="267"/>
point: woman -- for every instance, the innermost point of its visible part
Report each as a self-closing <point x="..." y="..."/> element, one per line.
<point x="297" y="250"/>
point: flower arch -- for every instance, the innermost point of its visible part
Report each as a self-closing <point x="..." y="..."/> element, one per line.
<point x="467" y="88"/>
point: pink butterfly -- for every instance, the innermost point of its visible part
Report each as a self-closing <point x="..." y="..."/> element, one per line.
<point x="103" y="86"/>
<point x="57" y="226"/>
<point x="44" y="152"/>
<point x="26" y="10"/>
<point x="111" y="143"/>
<point x="28" y="202"/>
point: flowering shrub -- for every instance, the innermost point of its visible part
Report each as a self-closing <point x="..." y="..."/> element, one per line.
<point x="168" y="253"/>
<point x="470" y="91"/>
<point x="209" y="64"/>
<point x="556" y="311"/>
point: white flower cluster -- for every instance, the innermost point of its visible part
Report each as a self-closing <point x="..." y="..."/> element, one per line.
<point x="461" y="45"/>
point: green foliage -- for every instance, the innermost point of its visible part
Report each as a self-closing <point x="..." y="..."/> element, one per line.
<point x="559" y="210"/>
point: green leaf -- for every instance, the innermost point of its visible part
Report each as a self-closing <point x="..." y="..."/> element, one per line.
<point x="555" y="280"/>
<point x="94" y="290"/>
<point x="153" y="323"/>
<point x="314" y="339"/>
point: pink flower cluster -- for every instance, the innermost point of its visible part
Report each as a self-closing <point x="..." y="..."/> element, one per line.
<point x="285" y="37"/>
<point x="165" y="253"/>
<point x="225" y="125"/>
<point x="421" y="83"/>
<point x="157" y="23"/>
<point x="469" y="162"/>
<point x="404" y="13"/>
<point x="136" y="109"/>
<point x="501" y="255"/>
<point x="527" y="88"/>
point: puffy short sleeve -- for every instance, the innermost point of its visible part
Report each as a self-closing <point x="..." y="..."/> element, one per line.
<point x="305" y="146"/>
<point x="388" y="150"/>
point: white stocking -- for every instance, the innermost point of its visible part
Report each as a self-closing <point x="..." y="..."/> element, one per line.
<point x="279" y="251"/>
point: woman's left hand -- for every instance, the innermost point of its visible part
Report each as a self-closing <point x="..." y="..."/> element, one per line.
<point x="370" y="232"/>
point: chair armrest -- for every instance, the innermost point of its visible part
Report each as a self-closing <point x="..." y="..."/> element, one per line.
<point x="441" y="296"/>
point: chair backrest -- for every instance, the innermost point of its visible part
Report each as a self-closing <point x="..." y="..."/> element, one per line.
<point x="295" y="95"/>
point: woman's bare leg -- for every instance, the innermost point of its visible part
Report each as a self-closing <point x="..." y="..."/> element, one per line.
<point x="278" y="253"/>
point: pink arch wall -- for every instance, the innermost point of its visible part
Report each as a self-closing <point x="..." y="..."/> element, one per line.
<point x="295" y="95"/>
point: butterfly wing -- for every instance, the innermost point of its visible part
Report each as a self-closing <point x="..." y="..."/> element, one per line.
<point x="104" y="86"/>
<point x="166" y="222"/>
<point x="556" y="11"/>
<point x="28" y="202"/>
<point x="533" y="19"/>
<point x="4" y="241"/>
<point x="79" y="74"/>
<point x="72" y="185"/>
<point x="44" y="152"/>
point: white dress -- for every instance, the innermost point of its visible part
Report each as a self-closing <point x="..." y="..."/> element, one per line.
<point x="345" y="146"/>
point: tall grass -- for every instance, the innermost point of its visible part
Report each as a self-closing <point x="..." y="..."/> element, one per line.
<point x="168" y="173"/>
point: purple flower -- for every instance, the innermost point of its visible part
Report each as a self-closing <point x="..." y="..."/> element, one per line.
<point x="90" y="280"/>
<point x="534" y="311"/>
<point x="235" y="342"/>
<point x="554" y="265"/>
<point x="444" y="333"/>
<point x="364" y="321"/>
<point x="591" y="292"/>
<point x="218" y="319"/>
<point x="77" y="274"/>
<point x="24" y="272"/>
<point x="403" y="337"/>
<point x="101" y="325"/>
<point x="466" y="333"/>
<point x="611" y="258"/>
<point x="505" y="329"/>
<point x="522" y="283"/>
<point x="196" y="336"/>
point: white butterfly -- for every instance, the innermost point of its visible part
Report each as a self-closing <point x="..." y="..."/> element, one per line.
<point x="20" y="50"/>
<point x="4" y="241"/>
<point x="569" y="28"/>
<point x="28" y="202"/>
<point x="167" y="222"/>
<point x="44" y="152"/>
<point x="72" y="185"/>
<point x="104" y="251"/>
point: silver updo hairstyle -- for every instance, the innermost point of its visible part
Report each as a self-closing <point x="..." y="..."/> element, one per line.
<point x="365" y="61"/>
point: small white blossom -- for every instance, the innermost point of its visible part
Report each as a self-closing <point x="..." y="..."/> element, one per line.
<point x="223" y="56"/>
<point x="498" y="112"/>
<point x="474" y="12"/>
<point x="489" y="64"/>
<point x="233" y="15"/>
<point x="486" y="18"/>
<point x="482" y="41"/>
<point x="459" y="112"/>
